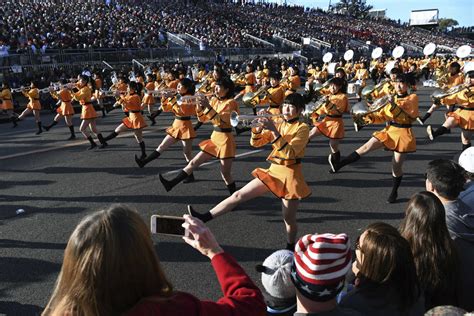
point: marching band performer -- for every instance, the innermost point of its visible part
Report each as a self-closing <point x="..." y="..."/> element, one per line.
<point x="221" y="145"/>
<point x="361" y="74"/>
<point x="83" y="94"/>
<point x="182" y="128"/>
<point x="135" y="121"/>
<point x="284" y="178"/>
<point x="6" y="103"/>
<point x="249" y="81"/>
<point x="275" y="95"/>
<point x="463" y="116"/>
<point x="148" y="99"/>
<point x="64" y="110"/>
<point x="33" y="106"/>
<point x="99" y="83"/>
<point x="293" y="81"/>
<point x="398" y="137"/>
<point x="455" y="78"/>
<point x="332" y="126"/>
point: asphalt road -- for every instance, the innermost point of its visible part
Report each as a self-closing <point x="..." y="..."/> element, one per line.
<point x="58" y="182"/>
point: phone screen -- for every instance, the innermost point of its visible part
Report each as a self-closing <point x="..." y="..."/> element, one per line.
<point x="167" y="225"/>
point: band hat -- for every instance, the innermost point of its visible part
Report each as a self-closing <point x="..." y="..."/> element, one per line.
<point x="320" y="265"/>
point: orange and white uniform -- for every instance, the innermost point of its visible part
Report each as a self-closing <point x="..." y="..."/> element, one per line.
<point x="148" y="98"/>
<point x="284" y="178"/>
<point x="173" y="84"/>
<point x="34" y="97"/>
<point x="6" y="100"/>
<point x="274" y="98"/>
<point x="98" y="87"/>
<point x="132" y="103"/>
<point x="65" y="96"/>
<point x="250" y="82"/>
<point x="182" y="127"/>
<point x="332" y="126"/>
<point x="293" y="83"/>
<point x="455" y="80"/>
<point x="222" y="144"/>
<point x="84" y="96"/>
<point x="398" y="135"/>
<point x="464" y="113"/>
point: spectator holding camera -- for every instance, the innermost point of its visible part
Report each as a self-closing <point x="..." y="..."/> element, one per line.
<point x="111" y="268"/>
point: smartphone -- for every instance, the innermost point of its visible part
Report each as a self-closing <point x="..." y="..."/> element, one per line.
<point x="167" y="225"/>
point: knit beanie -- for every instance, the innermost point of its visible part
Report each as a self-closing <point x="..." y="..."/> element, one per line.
<point x="320" y="264"/>
<point x="280" y="293"/>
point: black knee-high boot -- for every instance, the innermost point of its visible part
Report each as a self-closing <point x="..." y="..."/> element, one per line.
<point x="143" y="149"/>
<point x="231" y="187"/>
<point x="206" y="217"/>
<point x="465" y="146"/>
<point x="189" y="179"/>
<point x="14" y="120"/>
<point x="335" y="157"/>
<point x="170" y="184"/>
<point x="40" y="128"/>
<point x="142" y="161"/>
<point x="102" y="140"/>
<point x="197" y="126"/>
<point x="394" y="194"/>
<point x="154" y="115"/>
<point x="336" y="166"/>
<point x="425" y="117"/>
<point x="254" y="110"/>
<point x="93" y="144"/>
<point x="71" y="130"/>
<point x="110" y="136"/>
<point x="48" y="127"/>
<point x="433" y="134"/>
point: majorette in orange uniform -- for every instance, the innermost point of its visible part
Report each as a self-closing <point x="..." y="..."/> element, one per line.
<point x="98" y="95"/>
<point x="293" y="82"/>
<point x="221" y="145"/>
<point x="83" y="94"/>
<point x="284" y="178"/>
<point x="6" y="103"/>
<point x="33" y="106"/>
<point x="274" y="96"/>
<point x="463" y="116"/>
<point x="64" y="110"/>
<point x="182" y="128"/>
<point x="249" y="81"/>
<point x="401" y="112"/>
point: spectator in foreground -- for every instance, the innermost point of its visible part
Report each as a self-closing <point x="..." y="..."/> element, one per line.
<point x="466" y="160"/>
<point x="446" y="180"/>
<point x="386" y="282"/>
<point x="318" y="273"/>
<point x="111" y="268"/>
<point x="436" y="258"/>
<point x="280" y="293"/>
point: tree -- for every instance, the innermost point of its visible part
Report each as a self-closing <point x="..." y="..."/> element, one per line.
<point x="443" y="24"/>
<point x="354" y="8"/>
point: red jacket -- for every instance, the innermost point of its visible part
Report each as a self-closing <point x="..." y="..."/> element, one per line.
<point x="241" y="296"/>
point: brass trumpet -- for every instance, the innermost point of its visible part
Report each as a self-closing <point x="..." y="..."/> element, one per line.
<point x="437" y="95"/>
<point x="160" y="92"/>
<point x="250" y="96"/>
<point x="369" y="89"/>
<point x="249" y="120"/>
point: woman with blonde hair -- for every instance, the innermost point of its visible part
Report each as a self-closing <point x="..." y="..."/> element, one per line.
<point x="111" y="268"/>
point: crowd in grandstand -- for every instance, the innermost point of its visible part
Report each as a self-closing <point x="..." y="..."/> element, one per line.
<point x="143" y="24"/>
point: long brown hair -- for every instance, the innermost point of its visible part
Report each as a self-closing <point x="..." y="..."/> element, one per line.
<point x="387" y="259"/>
<point x="109" y="265"/>
<point x="424" y="227"/>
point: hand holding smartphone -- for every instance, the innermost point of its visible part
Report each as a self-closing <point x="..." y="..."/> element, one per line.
<point x="168" y="225"/>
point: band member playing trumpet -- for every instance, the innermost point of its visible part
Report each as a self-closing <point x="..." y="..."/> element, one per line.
<point x="284" y="178"/>
<point x="64" y="110"/>
<point x="274" y="96"/>
<point x="398" y="137"/>
<point x="249" y="81"/>
<point x="463" y="116"/>
<point x="182" y="128"/>
<point x="221" y="145"/>
<point x="293" y="82"/>
<point x="83" y="94"/>
<point x="98" y="84"/>
<point x="33" y="106"/>
<point x="135" y="121"/>
<point x="148" y="99"/>
<point x="332" y="125"/>
<point x="454" y="78"/>
<point x="6" y="103"/>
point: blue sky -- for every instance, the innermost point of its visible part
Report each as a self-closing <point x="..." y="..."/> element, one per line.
<point x="460" y="10"/>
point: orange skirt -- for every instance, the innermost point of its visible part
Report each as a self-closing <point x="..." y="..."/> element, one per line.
<point x="34" y="105"/>
<point x="331" y="127"/>
<point x="148" y="99"/>
<point x="181" y="129"/>
<point x="221" y="145"/>
<point x="285" y="182"/>
<point x="464" y="118"/>
<point x="134" y="121"/>
<point x="6" y="105"/>
<point x="65" y="109"/>
<point x="397" y="139"/>
<point x="88" y="112"/>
